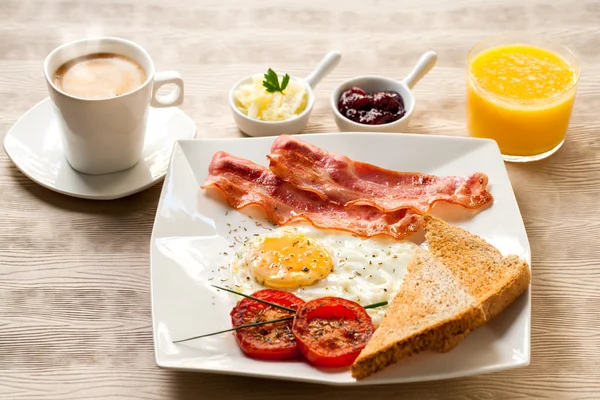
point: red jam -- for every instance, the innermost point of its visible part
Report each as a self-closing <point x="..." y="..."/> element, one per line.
<point x="371" y="108"/>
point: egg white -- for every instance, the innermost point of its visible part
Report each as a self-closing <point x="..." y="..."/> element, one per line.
<point x="366" y="270"/>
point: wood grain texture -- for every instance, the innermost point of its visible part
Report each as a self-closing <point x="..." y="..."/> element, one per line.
<point x="75" y="319"/>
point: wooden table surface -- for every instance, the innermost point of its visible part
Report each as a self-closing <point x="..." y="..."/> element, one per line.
<point x="75" y="318"/>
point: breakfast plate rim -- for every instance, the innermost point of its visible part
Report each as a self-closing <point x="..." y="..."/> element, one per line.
<point x="522" y="360"/>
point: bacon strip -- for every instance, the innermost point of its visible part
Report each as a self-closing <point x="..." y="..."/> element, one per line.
<point x="245" y="183"/>
<point x="340" y="180"/>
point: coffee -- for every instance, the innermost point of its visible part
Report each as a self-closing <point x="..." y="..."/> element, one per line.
<point x="99" y="76"/>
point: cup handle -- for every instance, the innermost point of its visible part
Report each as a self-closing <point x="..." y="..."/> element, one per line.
<point x="172" y="99"/>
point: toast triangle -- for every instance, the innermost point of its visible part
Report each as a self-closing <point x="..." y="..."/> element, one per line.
<point x="450" y="290"/>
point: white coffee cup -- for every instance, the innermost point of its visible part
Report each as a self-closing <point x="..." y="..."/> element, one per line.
<point x="102" y="136"/>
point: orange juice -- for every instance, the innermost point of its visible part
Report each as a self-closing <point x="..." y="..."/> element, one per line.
<point x="521" y="96"/>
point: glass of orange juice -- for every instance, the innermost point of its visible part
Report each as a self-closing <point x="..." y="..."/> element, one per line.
<point x="520" y="92"/>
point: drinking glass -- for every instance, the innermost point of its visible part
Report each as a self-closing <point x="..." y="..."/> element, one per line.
<point x="526" y="129"/>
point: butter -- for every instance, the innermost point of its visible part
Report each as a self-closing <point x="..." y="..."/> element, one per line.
<point x="254" y="100"/>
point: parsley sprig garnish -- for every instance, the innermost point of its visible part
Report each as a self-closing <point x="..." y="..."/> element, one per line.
<point x="271" y="82"/>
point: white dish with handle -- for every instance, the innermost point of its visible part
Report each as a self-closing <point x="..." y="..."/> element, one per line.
<point x="371" y="84"/>
<point x="255" y="127"/>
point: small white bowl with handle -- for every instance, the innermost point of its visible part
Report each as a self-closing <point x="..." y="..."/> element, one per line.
<point x="372" y="84"/>
<point x="255" y="127"/>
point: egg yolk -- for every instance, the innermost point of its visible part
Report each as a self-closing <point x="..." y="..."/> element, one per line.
<point x="288" y="261"/>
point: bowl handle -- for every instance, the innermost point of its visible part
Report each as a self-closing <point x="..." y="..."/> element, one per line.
<point x="325" y="66"/>
<point x="423" y="66"/>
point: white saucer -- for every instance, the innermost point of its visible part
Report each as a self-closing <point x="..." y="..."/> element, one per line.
<point x="34" y="146"/>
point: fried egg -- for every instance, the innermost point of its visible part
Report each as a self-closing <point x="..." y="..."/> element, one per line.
<point x="287" y="260"/>
<point x="313" y="263"/>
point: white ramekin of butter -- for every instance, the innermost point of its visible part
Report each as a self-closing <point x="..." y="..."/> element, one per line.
<point x="271" y="104"/>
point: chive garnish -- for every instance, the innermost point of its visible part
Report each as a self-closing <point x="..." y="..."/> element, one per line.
<point x="256" y="299"/>
<point x="375" y="305"/>
<point x="236" y="328"/>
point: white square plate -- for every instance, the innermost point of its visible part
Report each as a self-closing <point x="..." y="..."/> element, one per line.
<point x="191" y="240"/>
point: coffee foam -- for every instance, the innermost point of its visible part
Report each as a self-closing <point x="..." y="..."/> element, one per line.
<point x="99" y="76"/>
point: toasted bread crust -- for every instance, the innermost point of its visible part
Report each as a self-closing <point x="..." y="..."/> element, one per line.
<point x="442" y="335"/>
<point x="459" y="285"/>
<point x="515" y="284"/>
<point x="494" y="280"/>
